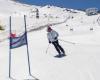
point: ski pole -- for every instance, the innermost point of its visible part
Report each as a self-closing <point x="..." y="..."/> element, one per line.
<point x="47" y="48"/>
<point x="67" y="41"/>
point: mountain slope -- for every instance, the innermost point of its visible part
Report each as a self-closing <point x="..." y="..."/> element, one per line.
<point x="83" y="59"/>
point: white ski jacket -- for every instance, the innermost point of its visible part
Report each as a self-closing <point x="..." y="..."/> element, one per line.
<point x="52" y="36"/>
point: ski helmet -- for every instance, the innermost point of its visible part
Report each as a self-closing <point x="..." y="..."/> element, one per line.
<point x="49" y="29"/>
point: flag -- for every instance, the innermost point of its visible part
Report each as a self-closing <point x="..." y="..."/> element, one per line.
<point x="16" y="42"/>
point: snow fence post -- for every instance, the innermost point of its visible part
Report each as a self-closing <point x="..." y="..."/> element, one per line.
<point x="27" y="47"/>
<point x="9" y="48"/>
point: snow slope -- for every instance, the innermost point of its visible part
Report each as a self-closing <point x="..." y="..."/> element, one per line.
<point x="83" y="59"/>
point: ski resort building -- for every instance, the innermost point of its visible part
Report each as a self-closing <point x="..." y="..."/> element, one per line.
<point x="91" y="11"/>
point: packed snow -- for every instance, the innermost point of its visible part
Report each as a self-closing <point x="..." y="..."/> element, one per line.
<point x="83" y="58"/>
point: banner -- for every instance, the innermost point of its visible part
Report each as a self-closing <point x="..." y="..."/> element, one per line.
<point x="16" y="42"/>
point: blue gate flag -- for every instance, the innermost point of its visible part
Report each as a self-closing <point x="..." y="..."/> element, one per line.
<point x="16" y="42"/>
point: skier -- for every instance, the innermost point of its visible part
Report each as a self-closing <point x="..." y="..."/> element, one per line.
<point x="53" y="38"/>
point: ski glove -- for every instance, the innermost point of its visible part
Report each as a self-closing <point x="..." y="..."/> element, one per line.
<point x="55" y="38"/>
<point x="49" y="41"/>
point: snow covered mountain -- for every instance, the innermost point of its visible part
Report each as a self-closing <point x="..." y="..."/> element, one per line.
<point x="83" y="59"/>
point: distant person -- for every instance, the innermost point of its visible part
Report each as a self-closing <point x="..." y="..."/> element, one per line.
<point x="53" y="38"/>
<point x="37" y="13"/>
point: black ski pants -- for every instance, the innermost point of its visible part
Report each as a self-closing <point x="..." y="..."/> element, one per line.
<point x="58" y="47"/>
